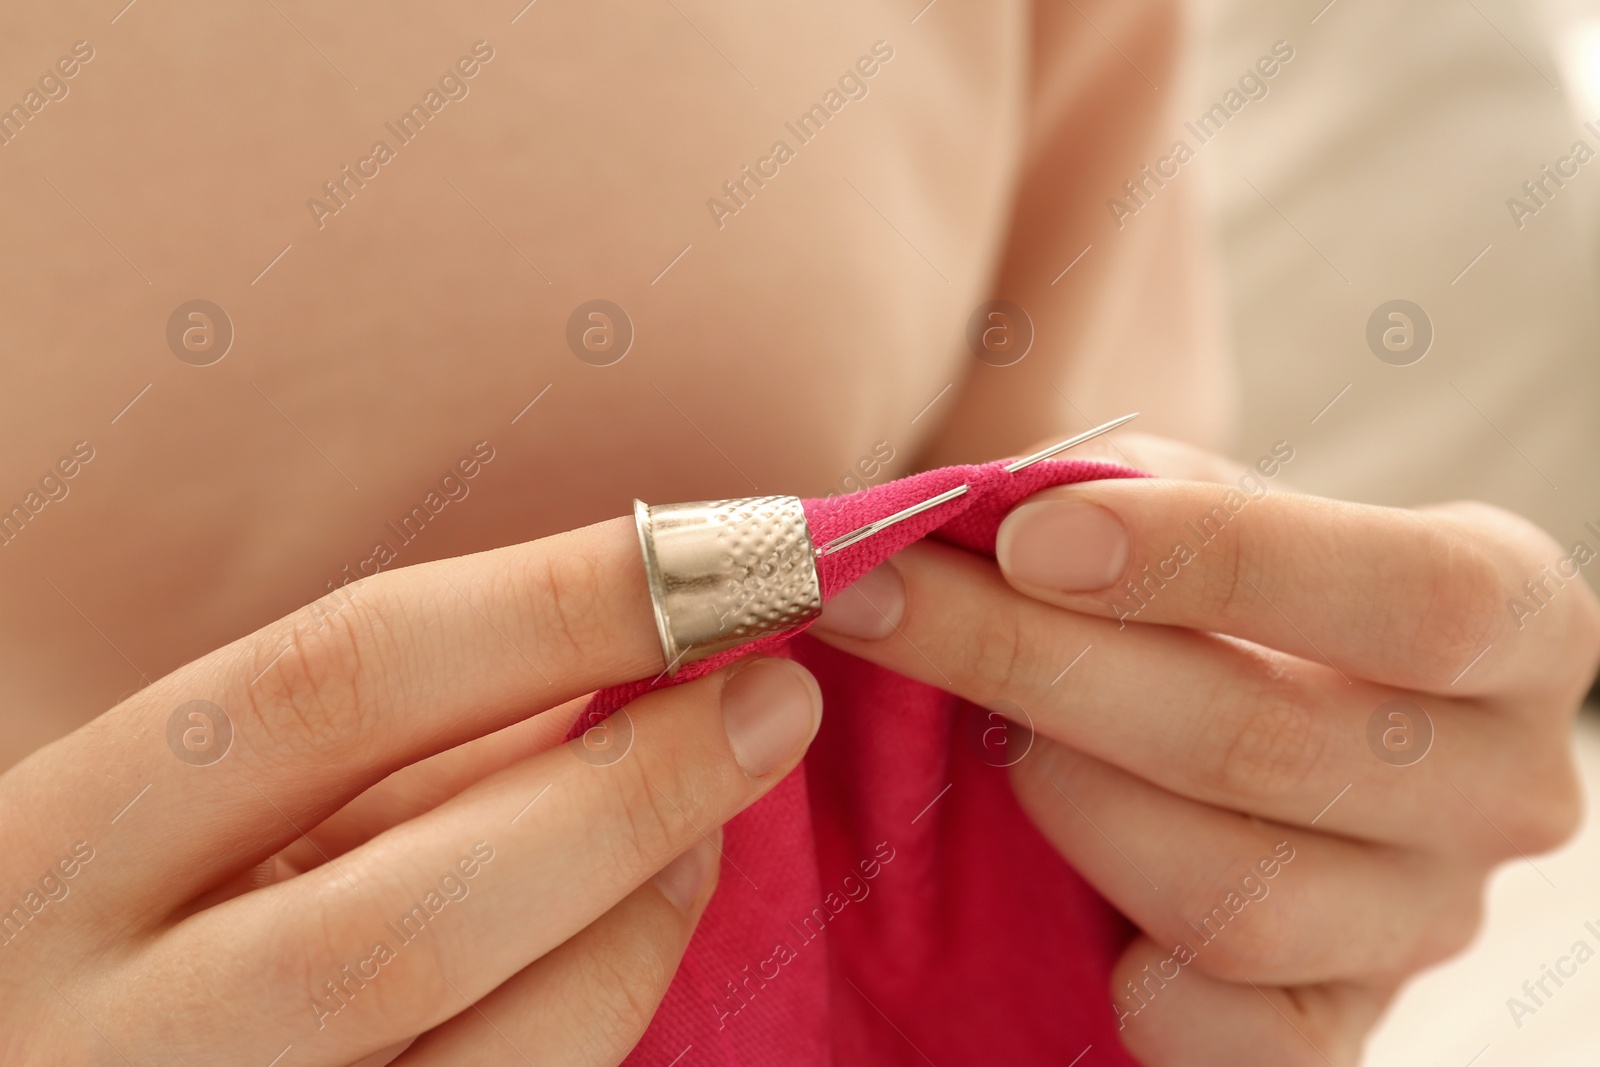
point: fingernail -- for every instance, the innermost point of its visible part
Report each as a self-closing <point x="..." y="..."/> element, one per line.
<point x="685" y="879"/>
<point x="868" y="610"/>
<point x="770" y="708"/>
<point x="1068" y="545"/>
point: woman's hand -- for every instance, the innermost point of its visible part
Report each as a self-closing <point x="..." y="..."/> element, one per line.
<point x="211" y="872"/>
<point x="1290" y="750"/>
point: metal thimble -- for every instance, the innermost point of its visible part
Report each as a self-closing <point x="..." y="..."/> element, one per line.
<point x="723" y="573"/>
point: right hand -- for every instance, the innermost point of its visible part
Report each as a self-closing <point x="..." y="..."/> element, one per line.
<point x="159" y="904"/>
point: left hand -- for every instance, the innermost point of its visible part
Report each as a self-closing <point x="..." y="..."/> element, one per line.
<point x="1221" y="734"/>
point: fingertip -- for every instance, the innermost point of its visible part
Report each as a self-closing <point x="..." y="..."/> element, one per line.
<point x="771" y="709"/>
<point x="1062" y="543"/>
<point x="870" y="610"/>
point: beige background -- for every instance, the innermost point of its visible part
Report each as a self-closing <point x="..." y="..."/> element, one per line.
<point x="1379" y="168"/>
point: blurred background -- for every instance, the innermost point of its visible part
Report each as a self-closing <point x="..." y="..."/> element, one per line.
<point x="1378" y="169"/>
<point x="1391" y="161"/>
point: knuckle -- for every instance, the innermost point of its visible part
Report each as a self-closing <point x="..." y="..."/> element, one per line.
<point x="626" y="979"/>
<point x="650" y="817"/>
<point x="1463" y="604"/>
<point x="1535" y="818"/>
<point x="1565" y="812"/>
<point x="1262" y="744"/>
<point x="1223" y="582"/>
<point x="1545" y="581"/>
<point x="997" y="650"/>
<point x="1011" y="653"/>
<point x="329" y="954"/>
<point x="562" y="593"/>
<point x="311" y="691"/>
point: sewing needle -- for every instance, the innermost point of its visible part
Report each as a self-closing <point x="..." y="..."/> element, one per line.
<point x="844" y="541"/>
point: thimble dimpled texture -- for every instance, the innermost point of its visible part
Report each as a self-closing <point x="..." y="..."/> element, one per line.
<point x="772" y="582"/>
<point x="725" y="572"/>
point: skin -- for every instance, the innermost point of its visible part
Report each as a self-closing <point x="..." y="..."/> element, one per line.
<point x="409" y="330"/>
<point x="1226" y="723"/>
<point x="776" y="353"/>
<point x="207" y="899"/>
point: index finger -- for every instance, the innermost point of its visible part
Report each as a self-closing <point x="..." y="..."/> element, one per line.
<point x="228" y="759"/>
<point x="1414" y="599"/>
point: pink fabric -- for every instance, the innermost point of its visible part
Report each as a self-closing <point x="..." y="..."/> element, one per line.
<point x="892" y="904"/>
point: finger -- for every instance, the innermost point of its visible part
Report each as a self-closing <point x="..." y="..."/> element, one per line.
<point x="403" y="795"/>
<point x="549" y="845"/>
<point x="1170" y="1016"/>
<point x="1249" y="901"/>
<point x="588" y="1001"/>
<point x="424" y="785"/>
<point x="1212" y="718"/>
<point x="1416" y="600"/>
<point x="326" y="702"/>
